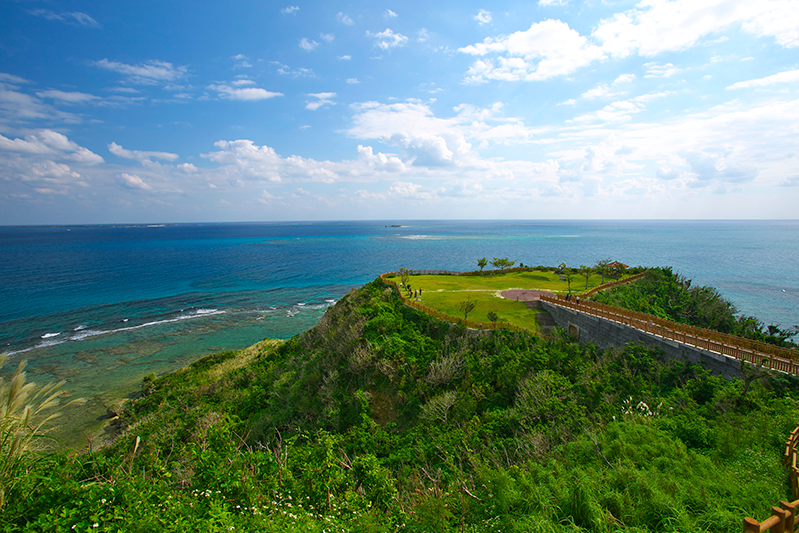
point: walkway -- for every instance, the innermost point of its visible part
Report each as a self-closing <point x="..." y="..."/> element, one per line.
<point x="756" y="353"/>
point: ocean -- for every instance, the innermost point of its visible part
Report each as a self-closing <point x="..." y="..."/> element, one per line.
<point x="103" y="306"/>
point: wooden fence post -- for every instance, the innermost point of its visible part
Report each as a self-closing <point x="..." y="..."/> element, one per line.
<point x="751" y="525"/>
<point x="790" y="521"/>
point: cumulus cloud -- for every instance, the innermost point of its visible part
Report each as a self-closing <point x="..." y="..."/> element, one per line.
<point x="322" y="99"/>
<point x="352" y="81"/>
<point x="344" y="18"/>
<point x="483" y="17"/>
<point x="147" y="73"/>
<point x="307" y="45"/>
<point x="290" y="10"/>
<point x="789" y="76"/>
<point x="658" y="26"/>
<point x="327" y="37"/>
<point x="140" y="156"/>
<point x="549" y="3"/>
<point x="71" y="97"/>
<point x="132" y="181"/>
<point x="387" y="39"/>
<point x="246" y="94"/>
<point x="389" y="14"/>
<point x="73" y="18"/>
<point x="344" y="58"/>
<point x="51" y="143"/>
<point x="548" y="49"/>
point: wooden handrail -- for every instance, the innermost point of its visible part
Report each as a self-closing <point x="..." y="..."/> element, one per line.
<point x="757" y="353"/>
<point x="783" y="519"/>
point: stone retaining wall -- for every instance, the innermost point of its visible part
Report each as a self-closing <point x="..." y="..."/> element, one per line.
<point x="608" y="334"/>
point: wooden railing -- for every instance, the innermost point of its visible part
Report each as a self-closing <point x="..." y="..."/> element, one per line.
<point x="783" y="519"/>
<point x="613" y="284"/>
<point x="449" y="318"/>
<point x="757" y="353"/>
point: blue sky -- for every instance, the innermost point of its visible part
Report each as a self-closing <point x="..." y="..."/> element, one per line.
<point x="143" y="112"/>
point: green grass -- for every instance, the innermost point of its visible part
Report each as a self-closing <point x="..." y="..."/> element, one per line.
<point x="445" y="293"/>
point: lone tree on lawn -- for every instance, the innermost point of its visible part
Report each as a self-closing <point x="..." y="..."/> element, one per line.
<point x="502" y="263"/>
<point x="567" y="272"/>
<point x="492" y="316"/>
<point x="602" y="268"/>
<point x="467" y="306"/>
<point x="586" y="272"/>
<point x="482" y="263"/>
<point x="404" y="274"/>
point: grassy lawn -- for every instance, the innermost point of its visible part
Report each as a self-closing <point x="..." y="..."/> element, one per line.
<point x="445" y="293"/>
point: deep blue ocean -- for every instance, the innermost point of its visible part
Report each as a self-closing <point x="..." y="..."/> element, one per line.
<point x="103" y="306"/>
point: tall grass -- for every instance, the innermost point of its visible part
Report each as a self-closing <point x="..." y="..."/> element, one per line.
<point x="25" y="410"/>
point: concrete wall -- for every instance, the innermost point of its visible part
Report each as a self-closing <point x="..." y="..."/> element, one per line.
<point x="608" y="334"/>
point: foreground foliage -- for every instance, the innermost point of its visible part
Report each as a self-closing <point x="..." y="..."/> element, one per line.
<point x="384" y="419"/>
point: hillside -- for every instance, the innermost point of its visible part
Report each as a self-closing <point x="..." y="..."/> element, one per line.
<point x="382" y="418"/>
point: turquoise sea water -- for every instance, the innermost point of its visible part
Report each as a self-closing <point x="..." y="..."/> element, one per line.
<point x="103" y="306"/>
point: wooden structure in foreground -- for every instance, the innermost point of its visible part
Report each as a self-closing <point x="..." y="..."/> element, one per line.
<point x="783" y="519"/>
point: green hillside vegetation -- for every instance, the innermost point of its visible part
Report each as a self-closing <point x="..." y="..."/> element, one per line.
<point x="382" y="418"/>
<point x="669" y="295"/>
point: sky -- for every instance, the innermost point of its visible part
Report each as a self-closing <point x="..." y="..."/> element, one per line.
<point x="146" y="112"/>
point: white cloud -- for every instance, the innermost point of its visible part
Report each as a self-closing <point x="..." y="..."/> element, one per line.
<point x="72" y="97"/>
<point x="621" y="110"/>
<point x="789" y="76"/>
<point x="242" y="61"/>
<point x="73" y="18"/>
<point x="422" y="35"/>
<point x="655" y="70"/>
<point x="549" y="3"/>
<point x="344" y="58"/>
<point x="483" y="17"/>
<point x="10" y="78"/>
<point x="322" y="99"/>
<point x="327" y="37"/>
<point x="290" y="10"/>
<point x="147" y="73"/>
<point x="140" y="156"/>
<point x="285" y="70"/>
<point x="242" y="81"/>
<point x="245" y="94"/>
<point x="548" y="49"/>
<point x="387" y="39"/>
<point x="51" y="143"/>
<point x="380" y="161"/>
<point x="352" y="81"/>
<point x="389" y="14"/>
<point x="307" y="45"/>
<point x="132" y="181"/>
<point x="344" y="18"/>
<point x="657" y="26"/>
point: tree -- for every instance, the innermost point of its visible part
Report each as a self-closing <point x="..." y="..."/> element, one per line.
<point x="467" y="306"/>
<point x="482" y="263"/>
<point x="492" y="316"/>
<point x="602" y="268"/>
<point x="586" y="272"/>
<point x="404" y="274"/>
<point x="502" y="263"/>
<point x="568" y="273"/>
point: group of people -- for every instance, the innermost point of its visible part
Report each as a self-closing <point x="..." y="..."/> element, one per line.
<point x="415" y="293"/>
<point x="576" y="299"/>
